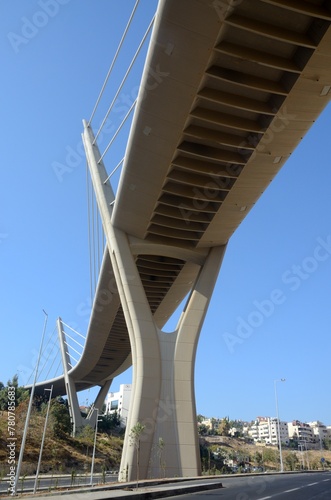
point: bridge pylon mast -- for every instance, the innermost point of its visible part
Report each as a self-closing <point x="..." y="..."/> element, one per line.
<point x="162" y="397"/>
<point x="74" y="411"/>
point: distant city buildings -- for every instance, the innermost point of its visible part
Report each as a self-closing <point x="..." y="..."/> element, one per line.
<point x="263" y="430"/>
<point x="266" y="431"/>
<point x="309" y="435"/>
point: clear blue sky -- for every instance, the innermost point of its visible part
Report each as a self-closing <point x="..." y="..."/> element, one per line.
<point x="51" y="77"/>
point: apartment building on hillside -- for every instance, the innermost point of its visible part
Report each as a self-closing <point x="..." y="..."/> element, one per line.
<point x="301" y="432"/>
<point x="265" y="430"/>
<point x="320" y="431"/>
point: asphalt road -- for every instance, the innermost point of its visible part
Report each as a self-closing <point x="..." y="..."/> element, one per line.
<point x="302" y="486"/>
<point x="305" y="486"/>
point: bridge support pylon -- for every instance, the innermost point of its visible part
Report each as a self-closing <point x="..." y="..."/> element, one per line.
<point x="76" y="418"/>
<point x="162" y="397"/>
<point x="73" y="404"/>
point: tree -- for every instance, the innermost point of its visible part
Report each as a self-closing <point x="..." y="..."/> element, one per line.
<point x="160" y="450"/>
<point x="86" y="435"/>
<point x="60" y="416"/>
<point x="270" y="456"/>
<point x="224" y="426"/>
<point x="327" y="444"/>
<point x="20" y="393"/>
<point x="238" y="426"/>
<point x="214" y="423"/>
<point x="258" y="458"/>
<point x="202" y="429"/>
<point x="291" y="461"/>
<point x="109" y="422"/>
<point x="135" y="437"/>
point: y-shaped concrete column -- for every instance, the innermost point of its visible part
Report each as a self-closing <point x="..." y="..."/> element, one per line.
<point x="163" y="371"/>
<point x="163" y="364"/>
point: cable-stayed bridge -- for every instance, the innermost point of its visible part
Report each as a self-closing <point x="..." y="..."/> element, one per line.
<point x="229" y="89"/>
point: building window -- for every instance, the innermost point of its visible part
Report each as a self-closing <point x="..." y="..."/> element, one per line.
<point x="114" y="405"/>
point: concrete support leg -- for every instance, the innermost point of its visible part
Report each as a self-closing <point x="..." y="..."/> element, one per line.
<point x="102" y="394"/>
<point x="97" y="405"/>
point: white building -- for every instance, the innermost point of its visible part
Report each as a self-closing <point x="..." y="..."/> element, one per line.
<point x="300" y="432"/>
<point x="119" y="402"/>
<point x="253" y="431"/>
<point x="320" y="431"/>
<point x="265" y="429"/>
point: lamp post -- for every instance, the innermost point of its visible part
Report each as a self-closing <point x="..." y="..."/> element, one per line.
<point x="28" y="414"/>
<point x="43" y="439"/>
<point x="278" y="426"/>
<point x="94" y="445"/>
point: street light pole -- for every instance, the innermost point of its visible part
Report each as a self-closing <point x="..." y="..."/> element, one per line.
<point x="43" y="439"/>
<point x="278" y="426"/>
<point x="27" y="418"/>
<point x="94" y="445"/>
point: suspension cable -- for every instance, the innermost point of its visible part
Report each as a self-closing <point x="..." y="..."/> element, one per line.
<point x="58" y="366"/>
<point x="72" y="357"/>
<point x="74" y="340"/>
<point x="125" y="77"/>
<point x="49" y="369"/>
<point x="72" y="329"/>
<point x="44" y="351"/>
<point x="118" y="130"/>
<point x="113" y="61"/>
<point x="114" y="170"/>
<point x="72" y="349"/>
